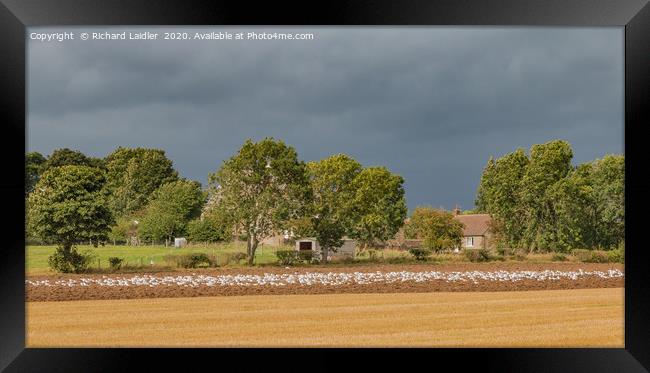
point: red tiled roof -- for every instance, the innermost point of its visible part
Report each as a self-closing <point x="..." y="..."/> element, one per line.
<point x="475" y="224"/>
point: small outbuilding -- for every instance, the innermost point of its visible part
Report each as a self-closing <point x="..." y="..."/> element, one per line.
<point x="180" y="242"/>
<point x="348" y="249"/>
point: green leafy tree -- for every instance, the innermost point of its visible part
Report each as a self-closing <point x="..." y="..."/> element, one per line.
<point x="589" y="205"/>
<point x="133" y="175"/>
<point x="34" y="163"/>
<point x="378" y="206"/>
<point x="262" y="188"/>
<point x="172" y="206"/>
<point x="500" y="194"/>
<point x="331" y="180"/>
<point x="549" y="163"/>
<point x="206" y="230"/>
<point x="68" y="157"/>
<point x="67" y="206"/>
<point x="608" y="180"/>
<point x="437" y="228"/>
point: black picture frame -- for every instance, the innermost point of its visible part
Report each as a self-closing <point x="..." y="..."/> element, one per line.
<point x="16" y="15"/>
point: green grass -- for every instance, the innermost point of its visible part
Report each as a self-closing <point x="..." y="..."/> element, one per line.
<point x="36" y="256"/>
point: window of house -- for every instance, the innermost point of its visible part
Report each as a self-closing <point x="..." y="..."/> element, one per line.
<point x="469" y="241"/>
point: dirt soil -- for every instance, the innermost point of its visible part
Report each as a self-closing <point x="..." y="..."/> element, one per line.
<point x="96" y="292"/>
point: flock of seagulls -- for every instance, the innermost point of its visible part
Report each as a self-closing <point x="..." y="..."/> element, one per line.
<point x="329" y="279"/>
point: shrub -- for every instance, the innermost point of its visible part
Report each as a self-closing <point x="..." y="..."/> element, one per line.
<point x="581" y="254"/>
<point x="477" y="255"/>
<point x="70" y="261"/>
<point x="420" y="254"/>
<point x="115" y="262"/>
<point x="286" y="257"/>
<point x="598" y="256"/>
<point x="191" y="260"/>
<point x="559" y="257"/>
<point x="614" y="256"/>
<point x="306" y="255"/>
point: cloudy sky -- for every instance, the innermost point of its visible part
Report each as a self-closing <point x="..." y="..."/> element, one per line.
<point x="430" y="103"/>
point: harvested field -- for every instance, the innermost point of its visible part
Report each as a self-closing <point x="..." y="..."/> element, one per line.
<point x="327" y="280"/>
<point x="556" y="318"/>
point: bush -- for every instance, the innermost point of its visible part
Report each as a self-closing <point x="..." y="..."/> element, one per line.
<point x="420" y="254"/>
<point x="115" y="262"/>
<point x="559" y="258"/>
<point x="505" y="251"/>
<point x="477" y="255"/>
<point x="581" y="254"/>
<point x="598" y="256"/>
<point x="616" y="256"/>
<point x="287" y="257"/>
<point x="70" y="261"/>
<point x="191" y="260"/>
<point x="306" y="255"/>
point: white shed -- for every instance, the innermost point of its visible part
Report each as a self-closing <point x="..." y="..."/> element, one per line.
<point x="180" y="242"/>
<point x="348" y="249"/>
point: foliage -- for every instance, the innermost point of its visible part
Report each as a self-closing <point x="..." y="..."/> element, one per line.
<point x="331" y="181"/>
<point x="69" y="260"/>
<point x="67" y="157"/>
<point x="477" y="255"/>
<point x="34" y="164"/>
<point x="540" y="202"/>
<point x="286" y="257"/>
<point x="68" y="206"/>
<point x="377" y="205"/>
<point x="194" y="260"/>
<point x="262" y="188"/>
<point x="207" y="230"/>
<point x="172" y="206"/>
<point x="125" y="228"/>
<point x="306" y="255"/>
<point x="421" y="254"/>
<point x="133" y="174"/>
<point x="301" y="227"/>
<point x="115" y="262"/>
<point x="438" y="228"/>
<point x="499" y="194"/>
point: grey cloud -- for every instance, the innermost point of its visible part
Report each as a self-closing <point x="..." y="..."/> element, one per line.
<point x="430" y="103"/>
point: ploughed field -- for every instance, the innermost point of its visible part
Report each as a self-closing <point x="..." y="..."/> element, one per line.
<point x="546" y="318"/>
<point x="451" y="277"/>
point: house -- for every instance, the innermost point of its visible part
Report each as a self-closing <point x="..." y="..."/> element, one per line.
<point x="348" y="249"/>
<point x="476" y="231"/>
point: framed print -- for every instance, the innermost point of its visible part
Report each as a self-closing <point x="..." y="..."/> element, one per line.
<point x="208" y="181"/>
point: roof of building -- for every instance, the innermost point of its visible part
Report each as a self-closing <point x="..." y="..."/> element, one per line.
<point x="475" y="224"/>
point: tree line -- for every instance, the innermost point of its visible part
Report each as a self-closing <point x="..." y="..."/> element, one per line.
<point x="540" y="202"/>
<point x="262" y="190"/>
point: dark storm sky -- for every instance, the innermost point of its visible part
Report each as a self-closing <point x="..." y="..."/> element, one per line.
<point x="430" y="103"/>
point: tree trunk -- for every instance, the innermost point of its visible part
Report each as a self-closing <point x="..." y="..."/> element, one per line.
<point x="324" y="252"/>
<point x="253" y="247"/>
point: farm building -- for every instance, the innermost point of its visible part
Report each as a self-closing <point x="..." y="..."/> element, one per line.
<point x="348" y="249"/>
<point x="476" y="231"/>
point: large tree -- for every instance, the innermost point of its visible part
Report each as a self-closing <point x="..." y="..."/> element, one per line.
<point x="262" y="188"/>
<point x="590" y="205"/>
<point x="67" y="206"/>
<point x="549" y="163"/>
<point x="500" y="194"/>
<point x="68" y="157"/>
<point x="378" y="205"/>
<point x="171" y="208"/>
<point x="438" y="228"/>
<point x="133" y="175"/>
<point x="331" y="180"/>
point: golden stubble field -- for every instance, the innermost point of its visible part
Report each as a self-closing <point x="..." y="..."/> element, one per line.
<point x="553" y="318"/>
